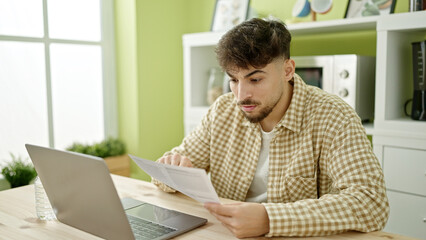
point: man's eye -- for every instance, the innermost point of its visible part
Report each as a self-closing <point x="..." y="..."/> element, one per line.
<point x="255" y="80"/>
<point x="233" y="80"/>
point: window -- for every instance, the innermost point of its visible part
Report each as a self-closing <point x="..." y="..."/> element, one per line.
<point x="57" y="78"/>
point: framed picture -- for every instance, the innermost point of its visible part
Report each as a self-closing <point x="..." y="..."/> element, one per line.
<point x="229" y="13"/>
<point x="364" y="8"/>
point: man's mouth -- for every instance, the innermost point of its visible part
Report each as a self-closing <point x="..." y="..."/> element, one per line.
<point x="248" y="108"/>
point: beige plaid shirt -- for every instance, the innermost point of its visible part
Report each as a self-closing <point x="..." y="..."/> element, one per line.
<point x="323" y="176"/>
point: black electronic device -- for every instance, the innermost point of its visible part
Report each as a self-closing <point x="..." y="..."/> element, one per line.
<point x="418" y="111"/>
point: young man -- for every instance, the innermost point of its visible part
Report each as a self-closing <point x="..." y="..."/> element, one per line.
<point x="296" y="157"/>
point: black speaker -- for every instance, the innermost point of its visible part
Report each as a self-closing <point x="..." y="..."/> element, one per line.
<point x="418" y="111"/>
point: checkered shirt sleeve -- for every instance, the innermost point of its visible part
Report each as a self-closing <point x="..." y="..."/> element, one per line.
<point x="323" y="177"/>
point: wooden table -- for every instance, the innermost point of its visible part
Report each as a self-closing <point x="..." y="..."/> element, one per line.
<point x="18" y="219"/>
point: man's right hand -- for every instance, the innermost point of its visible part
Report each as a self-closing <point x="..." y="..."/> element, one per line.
<point x="176" y="159"/>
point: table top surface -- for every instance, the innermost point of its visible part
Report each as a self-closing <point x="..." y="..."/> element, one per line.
<point x="18" y="219"/>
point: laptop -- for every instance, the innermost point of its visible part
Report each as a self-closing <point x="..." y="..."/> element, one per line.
<point x="82" y="194"/>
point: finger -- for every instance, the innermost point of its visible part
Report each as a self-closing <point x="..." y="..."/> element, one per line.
<point x="229" y="223"/>
<point x="167" y="159"/>
<point x="210" y="205"/>
<point x="175" y="159"/>
<point x="223" y="219"/>
<point x="224" y="209"/>
<point x="185" y="162"/>
<point x="220" y="209"/>
<point x="232" y="226"/>
<point x="161" y="160"/>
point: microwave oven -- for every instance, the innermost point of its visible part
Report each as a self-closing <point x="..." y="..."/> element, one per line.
<point x="351" y="77"/>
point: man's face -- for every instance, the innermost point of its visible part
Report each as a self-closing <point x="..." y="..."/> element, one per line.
<point x="259" y="91"/>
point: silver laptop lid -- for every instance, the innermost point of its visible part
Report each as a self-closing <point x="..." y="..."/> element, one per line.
<point x="96" y="208"/>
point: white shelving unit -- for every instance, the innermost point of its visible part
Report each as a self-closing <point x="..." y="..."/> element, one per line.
<point x="398" y="141"/>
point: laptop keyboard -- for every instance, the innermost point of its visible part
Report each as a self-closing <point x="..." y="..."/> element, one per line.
<point x="143" y="229"/>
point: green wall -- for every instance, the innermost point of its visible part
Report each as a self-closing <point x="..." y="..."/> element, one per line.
<point x="150" y="71"/>
<point x="149" y="58"/>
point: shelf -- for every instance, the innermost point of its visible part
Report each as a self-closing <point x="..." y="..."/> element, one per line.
<point x="403" y="127"/>
<point x="411" y="20"/>
<point x="297" y="29"/>
<point x="402" y="22"/>
<point x="333" y="26"/>
<point x="201" y="39"/>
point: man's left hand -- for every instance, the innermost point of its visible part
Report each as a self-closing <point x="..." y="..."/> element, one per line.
<point x="243" y="219"/>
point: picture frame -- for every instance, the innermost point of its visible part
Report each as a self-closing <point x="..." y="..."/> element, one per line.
<point x="364" y="8"/>
<point x="229" y="13"/>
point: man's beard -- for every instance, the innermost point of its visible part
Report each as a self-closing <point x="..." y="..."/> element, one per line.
<point x="263" y="112"/>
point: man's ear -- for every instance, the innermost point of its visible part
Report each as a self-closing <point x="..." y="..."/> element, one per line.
<point x="289" y="69"/>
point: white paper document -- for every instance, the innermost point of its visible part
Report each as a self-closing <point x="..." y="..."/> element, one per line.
<point x="192" y="182"/>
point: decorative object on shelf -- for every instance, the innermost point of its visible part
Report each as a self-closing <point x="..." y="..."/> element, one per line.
<point x="321" y="7"/>
<point x="417" y="5"/>
<point x="18" y="172"/>
<point x="364" y="8"/>
<point x="111" y="150"/>
<point x="215" y="85"/>
<point x="418" y="110"/>
<point x="229" y="13"/>
<point x="303" y="8"/>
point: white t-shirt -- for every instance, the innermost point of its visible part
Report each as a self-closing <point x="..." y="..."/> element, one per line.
<point x="258" y="188"/>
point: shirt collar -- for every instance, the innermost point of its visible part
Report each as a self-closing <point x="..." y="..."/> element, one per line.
<point x="292" y="118"/>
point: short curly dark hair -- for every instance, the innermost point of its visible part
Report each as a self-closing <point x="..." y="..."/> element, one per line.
<point x="255" y="43"/>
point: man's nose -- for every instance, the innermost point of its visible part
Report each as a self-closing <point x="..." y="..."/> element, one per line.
<point x="244" y="91"/>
